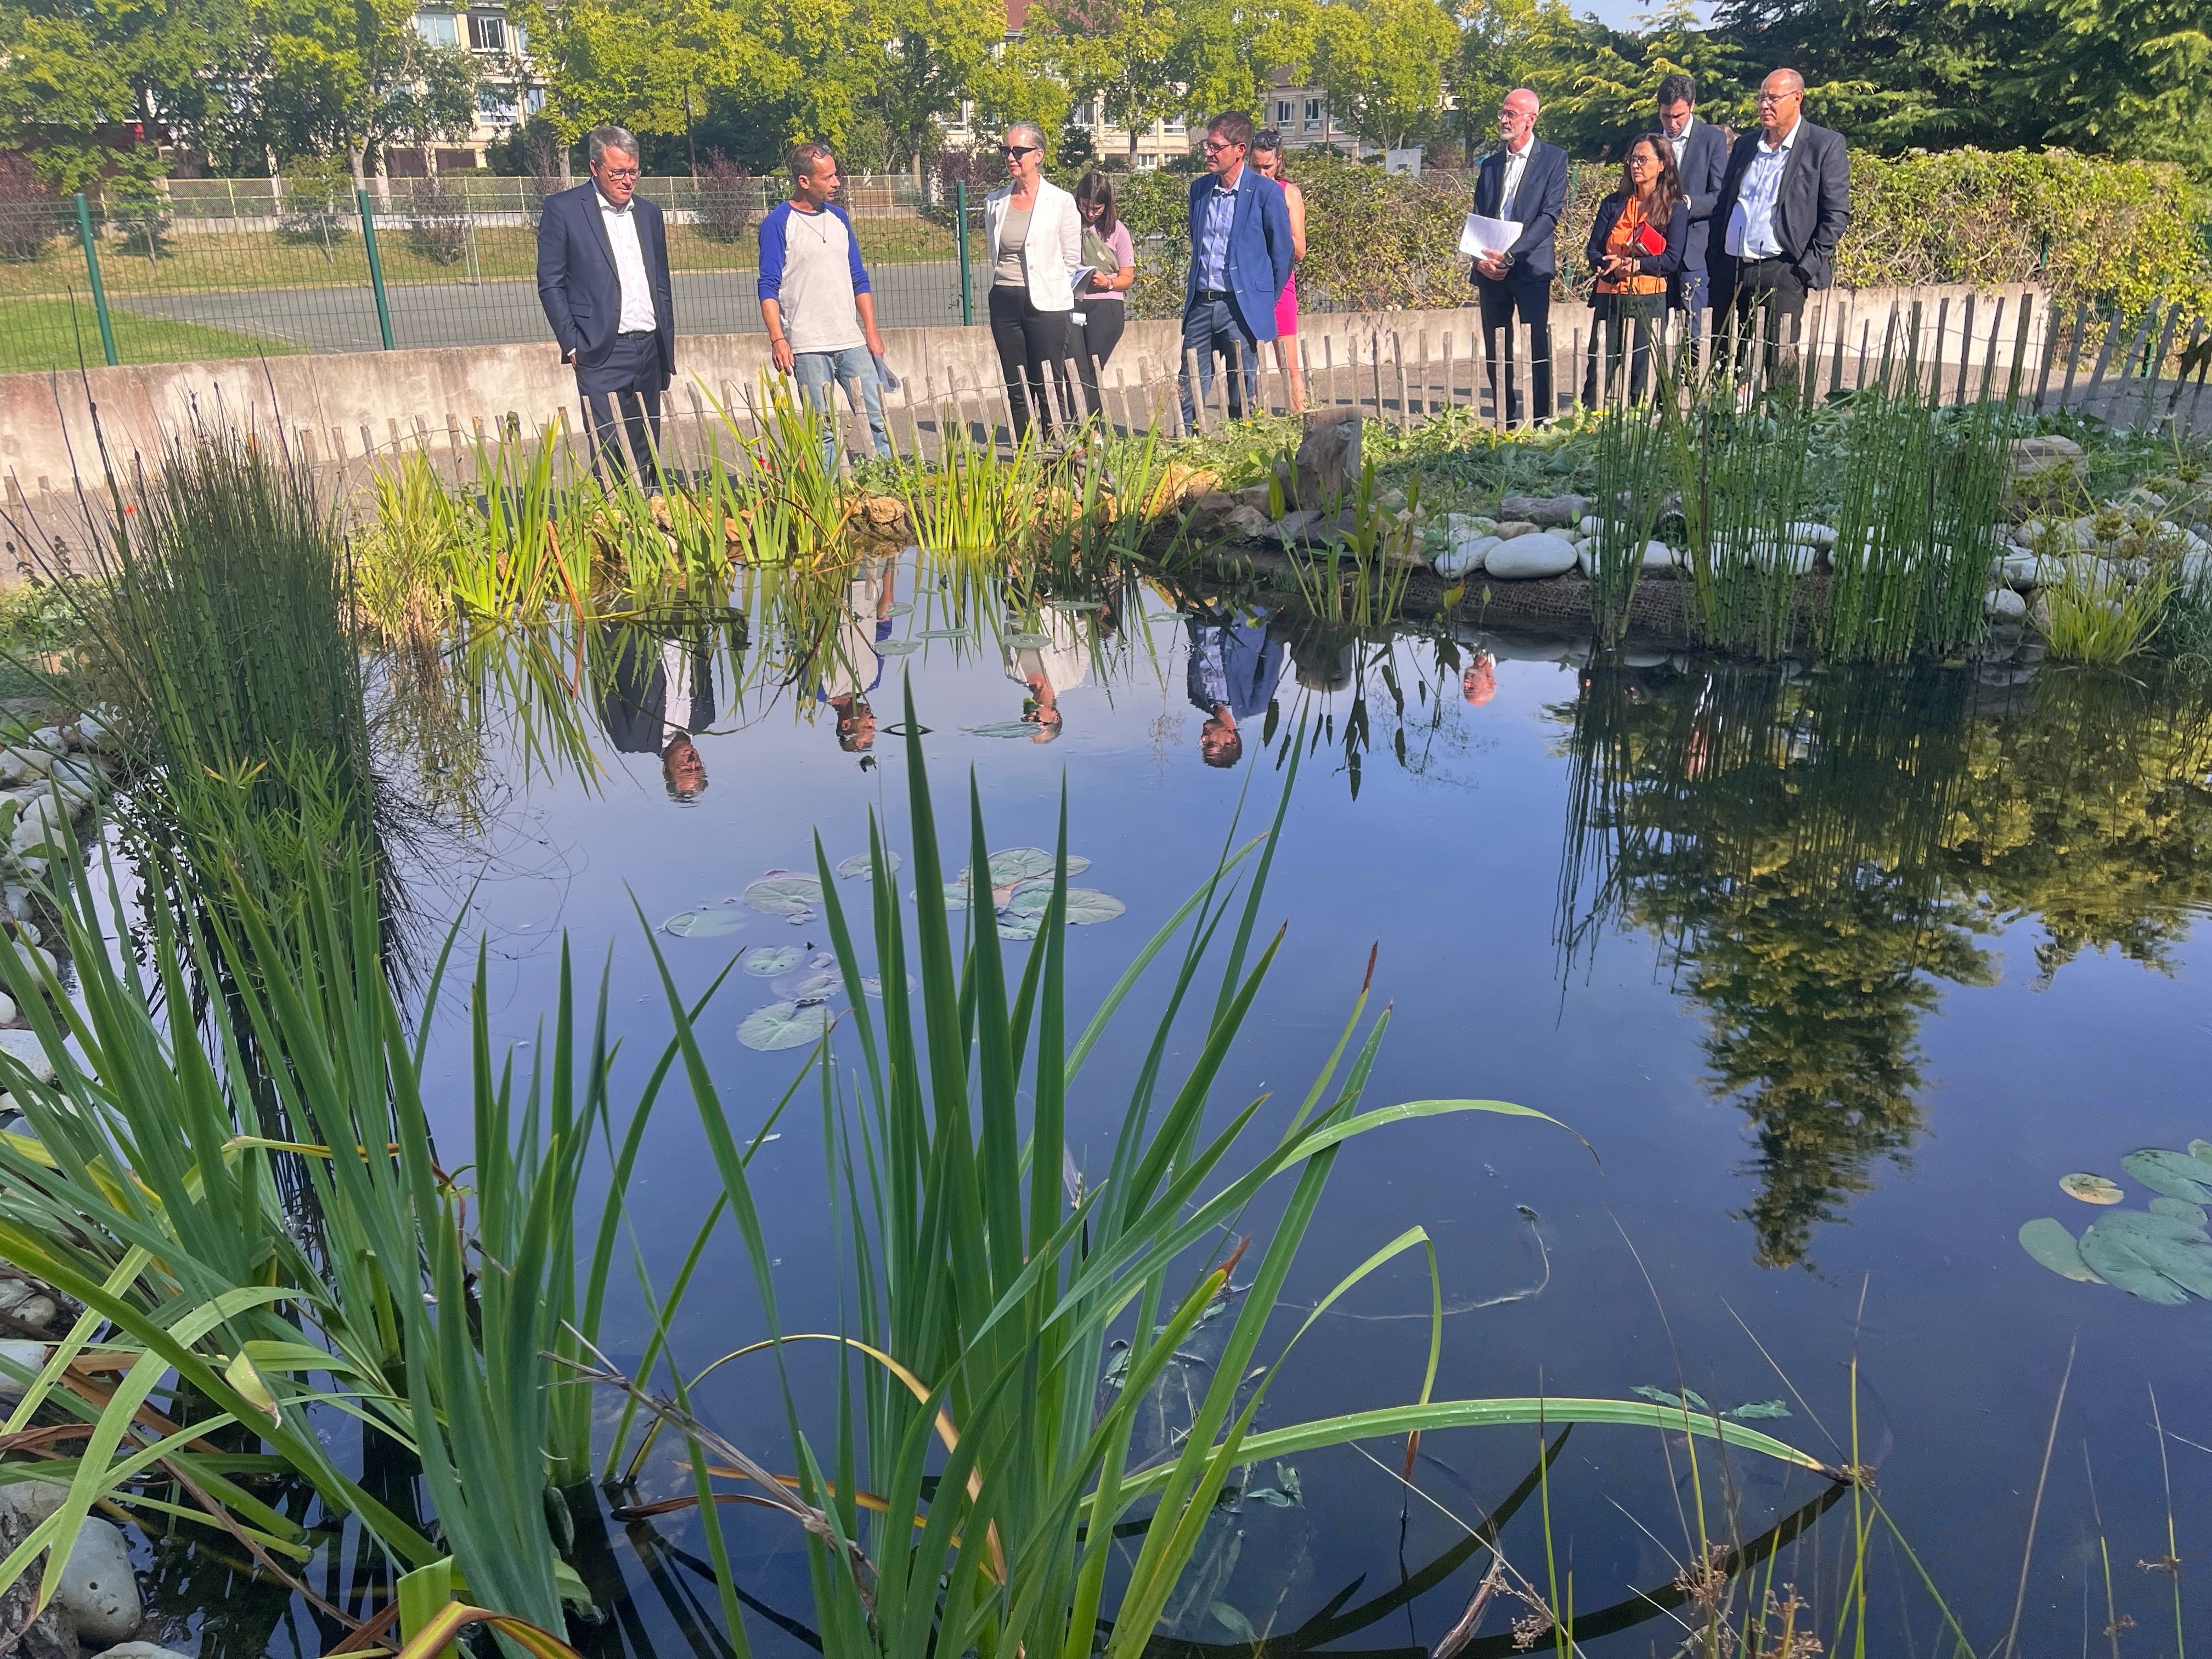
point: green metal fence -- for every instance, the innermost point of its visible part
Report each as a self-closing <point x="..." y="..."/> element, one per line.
<point x="410" y="263"/>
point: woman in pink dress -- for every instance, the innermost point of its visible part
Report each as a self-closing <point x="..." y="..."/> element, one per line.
<point x="1267" y="159"/>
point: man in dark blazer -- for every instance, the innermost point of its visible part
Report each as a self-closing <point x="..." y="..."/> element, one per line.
<point x="1701" y="156"/>
<point x="1783" y="206"/>
<point x="1525" y="182"/>
<point x="1240" y="259"/>
<point x="603" y="279"/>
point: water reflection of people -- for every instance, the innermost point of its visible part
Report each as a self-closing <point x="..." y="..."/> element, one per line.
<point x="1231" y="676"/>
<point x="1478" y="683"/>
<point x="1043" y="672"/>
<point x="655" y="679"/>
<point x="852" y="667"/>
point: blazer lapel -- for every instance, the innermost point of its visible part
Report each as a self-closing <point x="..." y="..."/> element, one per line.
<point x="598" y="219"/>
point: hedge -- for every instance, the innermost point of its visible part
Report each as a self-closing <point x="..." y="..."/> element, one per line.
<point x="2117" y="235"/>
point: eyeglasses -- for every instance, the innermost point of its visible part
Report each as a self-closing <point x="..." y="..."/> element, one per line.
<point x="617" y="173"/>
<point x="1015" y="152"/>
<point x="1778" y="97"/>
<point x="1215" y="146"/>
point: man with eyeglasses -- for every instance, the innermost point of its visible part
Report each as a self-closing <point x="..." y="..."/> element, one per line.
<point x="1240" y="259"/>
<point x="603" y="279"/>
<point x="1785" y="202"/>
<point x="1526" y="183"/>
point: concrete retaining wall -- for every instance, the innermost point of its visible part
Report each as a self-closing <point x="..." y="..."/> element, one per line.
<point x="341" y="406"/>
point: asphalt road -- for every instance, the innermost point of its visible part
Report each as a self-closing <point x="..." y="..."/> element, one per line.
<point x="507" y="313"/>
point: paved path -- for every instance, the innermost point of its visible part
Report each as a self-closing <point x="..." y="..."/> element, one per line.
<point x="507" y="313"/>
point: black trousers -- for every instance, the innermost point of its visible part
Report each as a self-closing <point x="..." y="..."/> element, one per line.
<point x="1526" y="295"/>
<point x="1028" y="339"/>
<point x="1621" y="325"/>
<point x="628" y="380"/>
<point x="1097" y="336"/>
<point x="1767" y="311"/>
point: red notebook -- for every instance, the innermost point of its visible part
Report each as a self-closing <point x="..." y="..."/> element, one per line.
<point x="1648" y="241"/>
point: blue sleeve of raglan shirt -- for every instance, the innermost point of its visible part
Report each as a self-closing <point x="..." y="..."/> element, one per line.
<point x="771" y="250"/>
<point x="852" y="250"/>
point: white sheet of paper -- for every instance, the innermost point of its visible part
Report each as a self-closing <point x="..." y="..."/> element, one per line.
<point x="1482" y="235"/>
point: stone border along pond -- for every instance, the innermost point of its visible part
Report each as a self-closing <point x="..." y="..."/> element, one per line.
<point x="1528" y="565"/>
<point x="51" y="775"/>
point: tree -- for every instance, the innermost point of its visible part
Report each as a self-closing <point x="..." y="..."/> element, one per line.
<point x="1382" y="63"/>
<point x="1115" y="53"/>
<point x="347" y="80"/>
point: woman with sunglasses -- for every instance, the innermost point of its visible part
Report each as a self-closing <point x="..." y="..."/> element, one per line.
<point x="1635" y="249"/>
<point x="1034" y="237"/>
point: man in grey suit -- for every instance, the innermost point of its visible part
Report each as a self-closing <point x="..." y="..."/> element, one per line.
<point x="1784" y="204"/>
<point x="603" y="279"/>
<point x="1701" y="155"/>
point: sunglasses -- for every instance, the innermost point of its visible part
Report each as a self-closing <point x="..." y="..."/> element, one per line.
<point x="1015" y="152"/>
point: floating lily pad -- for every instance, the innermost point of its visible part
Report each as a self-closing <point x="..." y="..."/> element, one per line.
<point x="1004" y="729"/>
<point x="945" y="634"/>
<point x="779" y="959"/>
<point x="874" y="986"/>
<point x="1754" y="1410"/>
<point x="1027" y="642"/>
<point x="1077" y="606"/>
<point x="1085" y="905"/>
<point x="2176" y="1175"/>
<point x="895" y="608"/>
<point x="819" y="983"/>
<point x="862" y="864"/>
<point x="2048" y="1242"/>
<point x="2091" y="1189"/>
<point x="955" y="895"/>
<point x="785" y="893"/>
<point x="710" y="921"/>
<point x="2155" y="1257"/>
<point x="898" y="647"/>
<point x="784" y="1025"/>
<point x="2201" y="1149"/>
<point x="1022" y="927"/>
<point x="1015" y="864"/>
<point x="2180" y="1209"/>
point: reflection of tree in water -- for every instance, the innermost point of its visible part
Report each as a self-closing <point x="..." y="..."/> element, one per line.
<point x="1816" y="853"/>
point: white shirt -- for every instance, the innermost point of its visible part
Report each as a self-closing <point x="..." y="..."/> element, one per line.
<point x="1751" y="221"/>
<point x="1516" y="163"/>
<point x="1681" y="145"/>
<point x="637" y="316"/>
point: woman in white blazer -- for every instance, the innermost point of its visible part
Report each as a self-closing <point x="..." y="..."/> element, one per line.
<point x="1033" y="236"/>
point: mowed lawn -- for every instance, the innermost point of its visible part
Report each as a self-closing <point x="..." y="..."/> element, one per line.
<point x="37" y="335"/>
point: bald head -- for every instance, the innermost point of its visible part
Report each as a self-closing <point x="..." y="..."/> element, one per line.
<point x="1516" y="117"/>
<point x="1781" y="96"/>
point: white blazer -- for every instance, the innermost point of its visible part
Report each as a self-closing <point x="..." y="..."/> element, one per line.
<point x="1054" y="248"/>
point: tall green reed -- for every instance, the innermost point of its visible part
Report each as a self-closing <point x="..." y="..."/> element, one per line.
<point x="1635" y="471"/>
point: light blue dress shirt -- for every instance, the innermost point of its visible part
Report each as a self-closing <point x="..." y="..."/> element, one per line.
<point x="1750" y="224"/>
<point x="1220" y="216"/>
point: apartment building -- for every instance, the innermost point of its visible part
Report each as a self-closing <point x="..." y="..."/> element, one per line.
<point x="509" y="96"/>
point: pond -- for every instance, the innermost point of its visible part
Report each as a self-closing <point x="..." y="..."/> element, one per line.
<point x="1837" y="972"/>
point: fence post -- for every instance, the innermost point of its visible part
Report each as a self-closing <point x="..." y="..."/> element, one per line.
<point x="376" y="267"/>
<point x="92" y="271"/>
<point x="967" y="293"/>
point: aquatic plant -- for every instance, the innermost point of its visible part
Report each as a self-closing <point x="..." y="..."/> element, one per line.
<point x="2094" y="614"/>
<point x="977" y="503"/>
<point x="403" y="555"/>
<point x="1741" y="475"/>
<point x="1635" y="472"/>
<point x="2161" y="1253"/>
<point x="777" y="497"/>
<point x="1358" y="577"/>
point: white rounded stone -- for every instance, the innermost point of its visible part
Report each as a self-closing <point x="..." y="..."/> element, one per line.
<point x="99" y="1593"/>
<point x="33" y="1501"/>
<point x="2003" y="605"/>
<point x="24" y="1047"/>
<point x="1538" y="554"/>
<point x="1465" y="557"/>
<point x="23" y="1352"/>
<point x="1808" y="533"/>
<point x="139" y="1650"/>
<point x="39" y="1310"/>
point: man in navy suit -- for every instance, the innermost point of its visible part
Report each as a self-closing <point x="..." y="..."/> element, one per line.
<point x="1527" y="183"/>
<point x="1240" y="258"/>
<point x="1701" y="155"/>
<point x="603" y="279"/>
<point x="1785" y="205"/>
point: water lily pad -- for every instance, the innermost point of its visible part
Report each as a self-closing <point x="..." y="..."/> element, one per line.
<point x="945" y="634"/>
<point x="710" y="921"/>
<point x="785" y="893"/>
<point x="819" y="983"/>
<point x="955" y="895"/>
<point x="2048" y="1242"/>
<point x="1004" y="729"/>
<point x="1085" y="905"/>
<point x="895" y="608"/>
<point x="2091" y="1189"/>
<point x="2155" y="1257"/>
<point x="1076" y="606"/>
<point x="1756" y="1410"/>
<point x="1013" y="926"/>
<point x="2176" y="1175"/>
<point x="874" y="986"/>
<point x="1026" y="642"/>
<point x="779" y="959"/>
<point x="898" y="647"/>
<point x="784" y="1025"/>
<point x="1015" y="864"/>
<point x="862" y="865"/>
<point x="2201" y="1149"/>
<point x="2180" y="1209"/>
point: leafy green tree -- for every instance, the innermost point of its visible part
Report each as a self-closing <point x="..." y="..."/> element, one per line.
<point x="1383" y="64"/>
<point x="346" y="81"/>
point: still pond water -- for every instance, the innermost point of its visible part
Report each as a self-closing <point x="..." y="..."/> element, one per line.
<point x="1838" y="974"/>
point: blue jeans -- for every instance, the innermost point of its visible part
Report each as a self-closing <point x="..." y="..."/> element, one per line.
<point x="1211" y="325"/>
<point x="852" y="366"/>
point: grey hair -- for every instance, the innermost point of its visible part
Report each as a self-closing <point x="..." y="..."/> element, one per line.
<point x="1031" y="128"/>
<point x="600" y="140"/>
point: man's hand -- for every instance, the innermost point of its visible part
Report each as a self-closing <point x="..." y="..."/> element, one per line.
<point x="1493" y="266"/>
<point x="567" y="357"/>
<point x="875" y="342"/>
<point x="779" y="349"/>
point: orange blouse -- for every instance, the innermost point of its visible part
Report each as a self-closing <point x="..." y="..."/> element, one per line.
<point x="1617" y="241"/>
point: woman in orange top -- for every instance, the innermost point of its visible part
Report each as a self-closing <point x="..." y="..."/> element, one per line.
<point x="1636" y="251"/>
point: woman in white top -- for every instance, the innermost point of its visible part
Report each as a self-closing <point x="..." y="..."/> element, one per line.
<point x="1033" y="238"/>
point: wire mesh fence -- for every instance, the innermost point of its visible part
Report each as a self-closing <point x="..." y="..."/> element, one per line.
<point x="190" y="274"/>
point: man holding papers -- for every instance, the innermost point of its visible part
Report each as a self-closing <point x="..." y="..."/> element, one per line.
<point x="1518" y="196"/>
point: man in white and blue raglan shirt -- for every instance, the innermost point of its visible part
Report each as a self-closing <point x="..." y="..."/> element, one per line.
<point x="814" y="297"/>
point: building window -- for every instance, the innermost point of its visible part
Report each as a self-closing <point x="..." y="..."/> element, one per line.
<point x="1313" y="112"/>
<point x="1148" y="162"/>
<point x="533" y="101"/>
<point x="1282" y="113"/>
<point x="438" y="27"/>
<point x="1171" y="126"/>
<point x="487" y="32"/>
